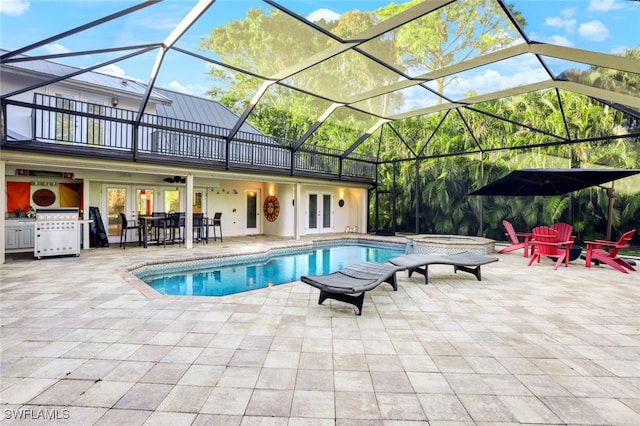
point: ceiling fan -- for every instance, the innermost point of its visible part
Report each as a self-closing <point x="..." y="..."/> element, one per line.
<point x="175" y="179"/>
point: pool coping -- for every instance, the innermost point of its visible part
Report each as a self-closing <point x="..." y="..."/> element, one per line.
<point x="128" y="272"/>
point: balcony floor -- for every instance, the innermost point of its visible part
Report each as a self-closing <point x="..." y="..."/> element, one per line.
<point x="524" y="345"/>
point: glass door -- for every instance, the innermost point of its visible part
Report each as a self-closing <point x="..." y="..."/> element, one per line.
<point x="144" y="201"/>
<point x="253" y="212"/>
<point x="93" y="128"/>
<point x="312" y="213"/>
<point x="133" y="202"/>
<point x="326" y="212"/>
<point x="319" y="215"/>
<point x="65" y="123"/>
<point x="172" y="201"/>
<point x="117" y="202"/>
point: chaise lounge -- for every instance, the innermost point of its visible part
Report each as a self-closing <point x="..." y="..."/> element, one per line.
<point x="465" y="261"/>
<point x="351" y="283"/>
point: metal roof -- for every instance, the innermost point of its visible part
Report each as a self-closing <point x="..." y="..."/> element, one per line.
<point x="200" y="110"/>
<point x="49" y="69"/>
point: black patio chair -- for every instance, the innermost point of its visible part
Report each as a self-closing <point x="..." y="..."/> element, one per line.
<point x="128" y="225"/>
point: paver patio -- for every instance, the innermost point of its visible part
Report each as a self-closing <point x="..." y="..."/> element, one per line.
<point x="85" y="342"/>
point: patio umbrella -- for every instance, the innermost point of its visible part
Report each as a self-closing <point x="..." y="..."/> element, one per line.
<point x="556" y="182"/>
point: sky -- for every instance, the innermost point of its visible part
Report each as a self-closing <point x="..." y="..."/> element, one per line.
<point x="608" y="26"/>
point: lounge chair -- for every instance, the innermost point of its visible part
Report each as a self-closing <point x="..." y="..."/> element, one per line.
<point x="350" y="284"/>
<point x="547" y="243"/>
<point x="596" y="252"/>
<point x="515" y="239"/>
<point x="460" y="261"/>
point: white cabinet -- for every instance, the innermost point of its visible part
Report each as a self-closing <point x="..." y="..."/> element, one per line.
<point x="19" y="235"/>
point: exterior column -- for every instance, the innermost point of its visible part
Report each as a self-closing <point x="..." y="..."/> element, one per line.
<point x="188" y="215"/>
<point x="296" y="211"/>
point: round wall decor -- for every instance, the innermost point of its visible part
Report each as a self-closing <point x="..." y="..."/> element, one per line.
<point x="271" y="208"/>
<point x="44" y="197"/>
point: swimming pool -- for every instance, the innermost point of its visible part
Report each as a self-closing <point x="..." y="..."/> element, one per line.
<point x="219" y="278"/>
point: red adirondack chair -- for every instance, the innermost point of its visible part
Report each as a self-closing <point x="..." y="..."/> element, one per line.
<point x="546" y="243"/>
<point x="564" y="231"/>
<point x="596" y="252"/>
<point x="515" y="239"/>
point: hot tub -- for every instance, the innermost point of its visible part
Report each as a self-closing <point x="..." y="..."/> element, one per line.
<point x="449" y="244"/>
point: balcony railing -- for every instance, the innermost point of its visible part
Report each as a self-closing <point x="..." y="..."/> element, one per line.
<point x="76" y="125"/>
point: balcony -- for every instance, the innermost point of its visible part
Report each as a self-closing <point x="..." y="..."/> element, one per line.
<point x="70" y="127"/>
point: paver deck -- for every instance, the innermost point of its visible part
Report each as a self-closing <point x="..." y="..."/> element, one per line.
<point x="86" y="343"/>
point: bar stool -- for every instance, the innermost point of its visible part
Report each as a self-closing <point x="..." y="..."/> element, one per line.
<point x="198" y="227"/>
<point x="175" y="223"/>
<point x="217" y="222"/>
<point x="159" y="226"/>
<point x="128" y="225"/>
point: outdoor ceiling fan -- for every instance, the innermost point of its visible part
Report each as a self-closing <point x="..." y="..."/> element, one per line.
<point x="175" y="179"/>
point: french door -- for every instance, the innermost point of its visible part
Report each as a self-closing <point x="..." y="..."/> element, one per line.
<point x="319" y="217"/>
<point x="131" y="200"/>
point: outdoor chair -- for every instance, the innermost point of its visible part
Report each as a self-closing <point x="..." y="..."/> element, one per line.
<point x="565" y="232"/>
<point x="546" y="243"/>
<point x="515" y="239"/>
<point x="199" y="231"/>
<point x="175" y="225"/>
<point x="159" y="228"/>
<point x="351" y="283"/>
<point x="217" y="222"/>
<point x="465" y="261"/>
<point x="128" y="225"/>
<point x="596" y="252"/>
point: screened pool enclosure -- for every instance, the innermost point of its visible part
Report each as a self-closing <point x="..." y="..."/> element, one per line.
<point x="439" y="96"/>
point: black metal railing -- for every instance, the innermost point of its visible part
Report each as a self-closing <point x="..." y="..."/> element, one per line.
<point x="63" y="121"/>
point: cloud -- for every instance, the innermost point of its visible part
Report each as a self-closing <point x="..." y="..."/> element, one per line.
<point x="553" y="39"/>
<point x="604" y="5"/>
<point x="114" y="70"/>
<point x="594" y="31"/>
<point x="620" y="50"/>
<point x="14" y="7"/>
<point x="189" y="89"/>
<point x="569" y="25"/>
<point x="326" y="14"/>
<point x="493" y="80"/>
<point x="559" y="40"/>
<point x="56" y="48"/>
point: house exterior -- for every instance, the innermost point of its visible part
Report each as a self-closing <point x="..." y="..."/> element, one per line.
<point x="86" y="139"/>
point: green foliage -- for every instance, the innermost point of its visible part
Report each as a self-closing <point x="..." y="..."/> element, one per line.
<point x="488" y="134"/>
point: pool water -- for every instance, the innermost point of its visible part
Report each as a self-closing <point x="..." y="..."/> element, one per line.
<point x="232" y="279"/>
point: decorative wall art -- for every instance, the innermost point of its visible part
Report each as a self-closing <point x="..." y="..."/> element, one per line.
<point x="44" y="197"/>
<point x="271" y="208"/>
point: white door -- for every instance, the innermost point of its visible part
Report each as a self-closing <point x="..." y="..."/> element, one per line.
<point x="117" y="199"/>
<point x="252" y="208"/>
<point x="93" y="130"/>
<point x="319" y="213"/>
<point x="133" y="201"/>
<point x="66" y="126"/>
